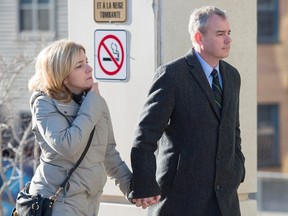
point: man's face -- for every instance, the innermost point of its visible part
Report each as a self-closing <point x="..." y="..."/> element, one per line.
<point x="215" y="41"/>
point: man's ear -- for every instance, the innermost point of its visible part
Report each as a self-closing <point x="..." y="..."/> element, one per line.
<point x="198" y="38"/>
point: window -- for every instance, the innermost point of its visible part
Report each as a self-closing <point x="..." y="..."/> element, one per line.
<point x="267" y="21"/>
<point x="36" y="16"/>
<point x="268" y="136"/>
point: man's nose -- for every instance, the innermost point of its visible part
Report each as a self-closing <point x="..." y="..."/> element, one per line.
<point x="228" y="39"/>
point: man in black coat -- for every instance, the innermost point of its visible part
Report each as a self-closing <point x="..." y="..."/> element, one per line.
<point x="186" y="156"/>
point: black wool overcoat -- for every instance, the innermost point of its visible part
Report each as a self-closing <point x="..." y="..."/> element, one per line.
<point x="199" y="164"/>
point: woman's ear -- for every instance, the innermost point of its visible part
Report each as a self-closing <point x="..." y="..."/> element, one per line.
<point x="65" y="81"/>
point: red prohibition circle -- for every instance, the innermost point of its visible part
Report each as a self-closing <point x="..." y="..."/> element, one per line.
<point x="118" y="66"/>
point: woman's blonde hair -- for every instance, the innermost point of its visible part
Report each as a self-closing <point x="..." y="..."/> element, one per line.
<point x="53" y="64"/>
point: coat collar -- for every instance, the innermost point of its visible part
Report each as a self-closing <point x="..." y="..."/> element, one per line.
<point x="67" y="109"/>
<point x="198" y="74"/>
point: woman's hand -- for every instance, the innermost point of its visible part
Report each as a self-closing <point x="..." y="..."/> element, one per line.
<point x="95" y="88"/>
<point x="146" y="202"/>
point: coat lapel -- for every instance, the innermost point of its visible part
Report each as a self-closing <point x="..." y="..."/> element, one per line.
<point x="226" y="88"/>
<point x="198" y="73"/>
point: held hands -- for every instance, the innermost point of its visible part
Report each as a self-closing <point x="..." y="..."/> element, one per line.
<point x="146" y="202"/>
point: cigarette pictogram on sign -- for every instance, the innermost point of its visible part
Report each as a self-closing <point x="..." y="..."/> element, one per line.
<point x="109" y="57"/>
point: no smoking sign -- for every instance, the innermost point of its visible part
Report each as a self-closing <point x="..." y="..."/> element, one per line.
<point x="110" y="54"/>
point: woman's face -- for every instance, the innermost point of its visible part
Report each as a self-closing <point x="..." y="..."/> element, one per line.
<point x="80" y="77"/>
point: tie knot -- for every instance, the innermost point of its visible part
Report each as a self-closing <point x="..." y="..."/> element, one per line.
<point x="214" y="72"/>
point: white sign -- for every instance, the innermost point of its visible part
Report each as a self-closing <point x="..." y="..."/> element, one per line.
<point x="110" y="54"/>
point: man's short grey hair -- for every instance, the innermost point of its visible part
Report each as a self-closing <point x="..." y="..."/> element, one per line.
<point x="200" y="17"/>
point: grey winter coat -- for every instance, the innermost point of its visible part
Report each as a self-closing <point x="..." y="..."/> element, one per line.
<point x="62" y="131"/>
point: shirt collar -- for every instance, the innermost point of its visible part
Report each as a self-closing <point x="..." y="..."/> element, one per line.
<point x="206" y="67"/>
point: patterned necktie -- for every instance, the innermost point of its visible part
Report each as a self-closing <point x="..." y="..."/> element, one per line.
<point x="217" y="90"/>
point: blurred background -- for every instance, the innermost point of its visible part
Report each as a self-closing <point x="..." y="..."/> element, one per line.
<point x="34" y="23"/>
<point x="272" y="100"/>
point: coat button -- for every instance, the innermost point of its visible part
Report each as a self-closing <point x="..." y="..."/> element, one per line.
<point x="65" y="112"/>
<point x="218" y="187"/>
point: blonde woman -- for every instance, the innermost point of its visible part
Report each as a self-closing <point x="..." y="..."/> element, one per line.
<point x="66" y="105"/>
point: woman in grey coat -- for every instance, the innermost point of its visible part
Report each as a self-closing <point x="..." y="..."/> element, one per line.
<point x="66" y="105"/>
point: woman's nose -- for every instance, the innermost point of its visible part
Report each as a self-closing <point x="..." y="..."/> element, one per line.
<point x="88" y="68"/>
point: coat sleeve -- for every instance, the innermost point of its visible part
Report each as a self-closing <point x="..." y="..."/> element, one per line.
<point x="152" y="122"/>
<point x="116" y="168"/>
<point x="238" y="147"/>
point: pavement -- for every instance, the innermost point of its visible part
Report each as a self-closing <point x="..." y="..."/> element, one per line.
<point x="272" y="214"/>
